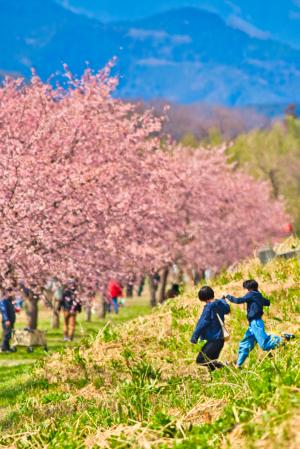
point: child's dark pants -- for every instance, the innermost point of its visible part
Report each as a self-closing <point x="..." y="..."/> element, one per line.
<point x="209" y="354"/>
<point x="7" y="333"/>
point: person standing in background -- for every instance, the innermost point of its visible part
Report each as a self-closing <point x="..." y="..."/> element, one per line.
<point x="114" y="293"/>
<point x="71" y="305"/>
<point x="8" y="318"/>
<point x="141" y="286"/>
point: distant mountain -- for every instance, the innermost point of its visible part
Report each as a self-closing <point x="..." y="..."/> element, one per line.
<point x="277" y="19"/>
<point x="184" y="55"/>
<point x="44" y="35"/>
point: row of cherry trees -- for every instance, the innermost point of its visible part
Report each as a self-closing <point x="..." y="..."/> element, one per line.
<point x="89" y="190"/>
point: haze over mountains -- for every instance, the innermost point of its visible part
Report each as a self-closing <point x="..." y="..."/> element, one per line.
<point x="185" y="55"/>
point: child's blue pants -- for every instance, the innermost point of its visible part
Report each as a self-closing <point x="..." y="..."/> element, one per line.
<point x="115" y="304"/>
<point x="256" y="334"/>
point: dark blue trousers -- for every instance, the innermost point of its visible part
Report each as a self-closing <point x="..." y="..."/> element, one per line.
<point x="7" y="333"/>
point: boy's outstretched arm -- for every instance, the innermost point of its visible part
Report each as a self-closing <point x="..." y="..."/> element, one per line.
<point x="226" y="306"/>
<point x="266" y="302"/>
<point x="201" y="325"/>
<point x="241" y="300"/>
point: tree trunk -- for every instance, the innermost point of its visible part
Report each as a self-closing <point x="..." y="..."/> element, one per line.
<point x="274" y="183"/>
<point x="129" y="290"/>
<point x="198" y="275"/>
<point x="55" y="319"/>
<point x="55" y="312"/>
<point x="52" y="301"/>
<point x="164" y="280"/>
<point x="100" y="298"/>
<point x="32" y="311"/>
<point x="88" y="313"/>
<point x="180" y="276"/>
<point x="102" y="311"/>
<point x="153" y="290"/>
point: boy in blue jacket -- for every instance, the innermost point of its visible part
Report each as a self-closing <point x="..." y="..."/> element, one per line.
<point x="256" y="331"/>
<point x="209" y="329"/>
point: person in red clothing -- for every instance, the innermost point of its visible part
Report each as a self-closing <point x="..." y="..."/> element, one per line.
<point x="115" y="292"/>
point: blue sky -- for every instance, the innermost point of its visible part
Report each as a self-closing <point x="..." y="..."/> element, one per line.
<point x="279" y="19"/>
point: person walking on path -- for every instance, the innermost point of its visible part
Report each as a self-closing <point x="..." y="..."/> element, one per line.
<point x="209" y="328"/>
<point x="8" y="319"/>
<point x="71" y="305"/>
<point x="114" y="293"/>
<point x="256" y="331"/>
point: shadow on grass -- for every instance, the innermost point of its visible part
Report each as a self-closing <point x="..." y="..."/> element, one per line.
<point x="11" y="390"/>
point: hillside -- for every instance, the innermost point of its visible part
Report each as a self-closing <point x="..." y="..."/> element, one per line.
<point x="206" y="58"/>
<point x="137" y="386"/>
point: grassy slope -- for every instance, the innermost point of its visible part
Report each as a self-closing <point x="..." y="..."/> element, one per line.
<point x="16" y="370"/>
<point x="137" y="386"/>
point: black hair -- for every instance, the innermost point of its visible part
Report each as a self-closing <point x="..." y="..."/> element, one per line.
<point x="206" y="293"/>
<point x="250" y="284"/>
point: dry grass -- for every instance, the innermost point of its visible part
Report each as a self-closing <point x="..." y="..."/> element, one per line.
<point x="135" y="436"/>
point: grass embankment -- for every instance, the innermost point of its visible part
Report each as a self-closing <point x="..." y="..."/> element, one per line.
<point x="137" y="386"/>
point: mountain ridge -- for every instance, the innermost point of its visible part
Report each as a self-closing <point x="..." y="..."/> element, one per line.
<point x="206" y="59"/>
<point x="278" y="20"/>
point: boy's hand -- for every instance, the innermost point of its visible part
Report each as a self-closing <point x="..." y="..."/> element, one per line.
<point x="7" y="323"/>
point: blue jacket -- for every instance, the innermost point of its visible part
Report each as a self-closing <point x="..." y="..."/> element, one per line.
<point x="208" y="327"/>
<point x="255" y="304"/>
<point x="7" y="310"/>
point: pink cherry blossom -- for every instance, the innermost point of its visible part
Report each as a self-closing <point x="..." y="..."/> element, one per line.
<point x="90" y="192"/>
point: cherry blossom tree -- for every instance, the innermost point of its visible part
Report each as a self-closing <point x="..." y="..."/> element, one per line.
<point x="224" y="214"/>
<point x="82" y="181"/>
<point x="228" y="214"/>
<point x="90" y="192"/>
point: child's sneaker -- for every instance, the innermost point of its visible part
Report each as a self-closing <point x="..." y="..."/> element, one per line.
<point x="236" y="366"/>
<point x="288" y="337"/>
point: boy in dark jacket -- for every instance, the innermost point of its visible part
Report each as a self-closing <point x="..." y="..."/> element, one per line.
<point x="256" y="331"/>
<point x="209" y="328"/>
<point x="8" y="319"/>
<point x="71" y="305"/>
